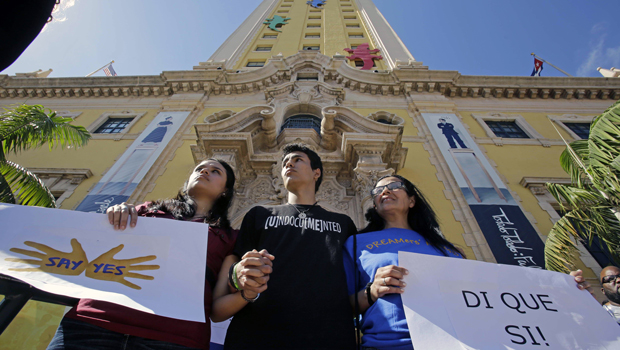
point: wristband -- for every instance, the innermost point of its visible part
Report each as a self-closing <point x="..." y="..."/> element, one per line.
<point x="368" y="295"/>
<point x="250" y="300"/>
<point x="232" y="277"/>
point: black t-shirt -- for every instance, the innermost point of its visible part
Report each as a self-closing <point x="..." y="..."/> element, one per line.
<point x="306" y="305"/>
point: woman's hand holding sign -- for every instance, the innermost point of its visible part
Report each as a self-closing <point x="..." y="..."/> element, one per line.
<point x="52" y="260"/>
<point x="107" y="268"/>
<point x="388" y="280"/>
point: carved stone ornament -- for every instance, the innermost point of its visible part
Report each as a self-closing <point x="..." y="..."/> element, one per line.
<point x="305" y="94"/>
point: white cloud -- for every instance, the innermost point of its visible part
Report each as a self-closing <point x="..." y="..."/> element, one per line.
<point x="59" y="13"/>
<point x="594" y="57"/>
<point x="599" y="55"/>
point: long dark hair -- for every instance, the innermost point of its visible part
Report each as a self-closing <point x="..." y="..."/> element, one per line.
<point x="421" y="218"/>
<point x="183" y="207"/>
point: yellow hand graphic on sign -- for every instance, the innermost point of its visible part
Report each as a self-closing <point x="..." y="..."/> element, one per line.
<point x="107" y="268"/>
<point x="52" y="260"/>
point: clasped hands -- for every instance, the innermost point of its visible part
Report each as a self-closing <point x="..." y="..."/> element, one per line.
<point x="253" y="272"/>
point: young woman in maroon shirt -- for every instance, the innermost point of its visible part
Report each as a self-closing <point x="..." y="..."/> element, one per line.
<point x="98" y="325"/>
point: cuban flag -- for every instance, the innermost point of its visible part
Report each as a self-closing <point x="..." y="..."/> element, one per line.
<point x="537" y="67"/>
<point x="109" y="71"/>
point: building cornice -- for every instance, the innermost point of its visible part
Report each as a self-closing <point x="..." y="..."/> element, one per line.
<point x="403" y="80"/>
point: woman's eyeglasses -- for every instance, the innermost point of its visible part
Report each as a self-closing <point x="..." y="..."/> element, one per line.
<point x="392" y="186"/>
<point x="609" y="278"/>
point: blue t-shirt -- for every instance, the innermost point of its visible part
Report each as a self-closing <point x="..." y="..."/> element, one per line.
<point x="384" y="324"/>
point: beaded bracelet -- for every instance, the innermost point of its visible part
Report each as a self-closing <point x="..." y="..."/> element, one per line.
<point x="232" y="277"/>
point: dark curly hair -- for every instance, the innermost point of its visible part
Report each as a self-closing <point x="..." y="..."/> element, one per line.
<point x="182" y="206"/>
<point x="421" y="218"/>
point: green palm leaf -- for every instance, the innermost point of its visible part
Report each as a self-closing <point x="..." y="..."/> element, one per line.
<point x="6" y="194"/>
<point x="29" y="188"/>
<point x="592" y="202"/>
<point x="27" y="127"/>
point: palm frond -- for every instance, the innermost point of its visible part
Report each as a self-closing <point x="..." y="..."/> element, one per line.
<point x="593" y="199"/>
<point x="26" y="127"/>
<point x="570" y="197"/>
<point x="560" y="249"/>
<point x="29" y="188"/>
<point x="568" y="163"/>
<point x="6" y="194"/>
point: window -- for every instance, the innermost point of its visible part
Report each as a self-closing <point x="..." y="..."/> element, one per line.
<point x="313" y="25"/>
<point x="255" y="64"/>
<point x="113" y="126"/>
<point x="356" y="36"/>
<point x="307" y="77"/>
<point x="506" y="129"/>
<point x="312" y="47"/>
<point x="347" y="10"/>
<point x="580" y="129"/>
<point x="270" y="36"/>
<point x="282" y="11"/>
<point x="263" y="48"/>
<point x="313" y="36"/>
<point x="353" y="25"/>
<point x="354" y="47"/>
<point x="315" y="10"/>
<point x="62" y="182"/>
<point x="349" y="17"/>
<point x="314" y="17"/>
<point x="286" y="5"/>
<point x="303" y="121"/>
<point x="360" y="63"/>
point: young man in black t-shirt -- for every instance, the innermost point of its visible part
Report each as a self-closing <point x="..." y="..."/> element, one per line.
<point x="292" y="255"/>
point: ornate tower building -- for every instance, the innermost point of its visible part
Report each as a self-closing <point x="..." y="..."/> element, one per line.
<point x="332" y="74"/>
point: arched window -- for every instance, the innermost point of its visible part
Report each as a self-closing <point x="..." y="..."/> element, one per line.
<point x="302" y="121"/>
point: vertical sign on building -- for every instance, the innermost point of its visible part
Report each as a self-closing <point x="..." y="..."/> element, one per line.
<point x="122" y="179"/>
<point x="511" y="237"/>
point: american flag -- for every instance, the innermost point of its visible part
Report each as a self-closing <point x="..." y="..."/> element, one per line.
<point x="109" y="71"/>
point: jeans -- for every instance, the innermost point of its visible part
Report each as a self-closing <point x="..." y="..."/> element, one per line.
<point x="77" y="335"/>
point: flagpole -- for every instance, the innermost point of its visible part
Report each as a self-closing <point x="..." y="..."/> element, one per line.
<point x="551" y="65"/>
<point x="100" y="69"/>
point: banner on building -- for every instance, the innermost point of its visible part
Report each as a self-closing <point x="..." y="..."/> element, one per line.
<point x="124" y="176"/>
<point x="466" y="304"/>
<point x="156" y="267"/>
<point x="511" y="237"/>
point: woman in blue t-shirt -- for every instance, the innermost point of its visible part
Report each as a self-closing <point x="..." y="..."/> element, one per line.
<point x="400" y="220"/>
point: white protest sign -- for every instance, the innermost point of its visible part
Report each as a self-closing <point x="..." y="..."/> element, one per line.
<point x="156" y="267"/>
<point x="465" y="304"/>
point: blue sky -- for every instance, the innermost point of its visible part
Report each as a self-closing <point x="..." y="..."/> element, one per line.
<point x="475" y="37"/>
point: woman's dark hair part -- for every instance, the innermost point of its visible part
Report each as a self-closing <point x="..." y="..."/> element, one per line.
<point x="421" y="218"/>
<point x="182" y="206"/>
<point x="315" y="160"/>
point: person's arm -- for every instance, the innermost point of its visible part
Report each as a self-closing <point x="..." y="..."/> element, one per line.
<point x="388" y="280"/>
<point x="227" y="301"/>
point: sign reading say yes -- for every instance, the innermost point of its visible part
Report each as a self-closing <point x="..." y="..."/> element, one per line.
<point x="80" y="255"/>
